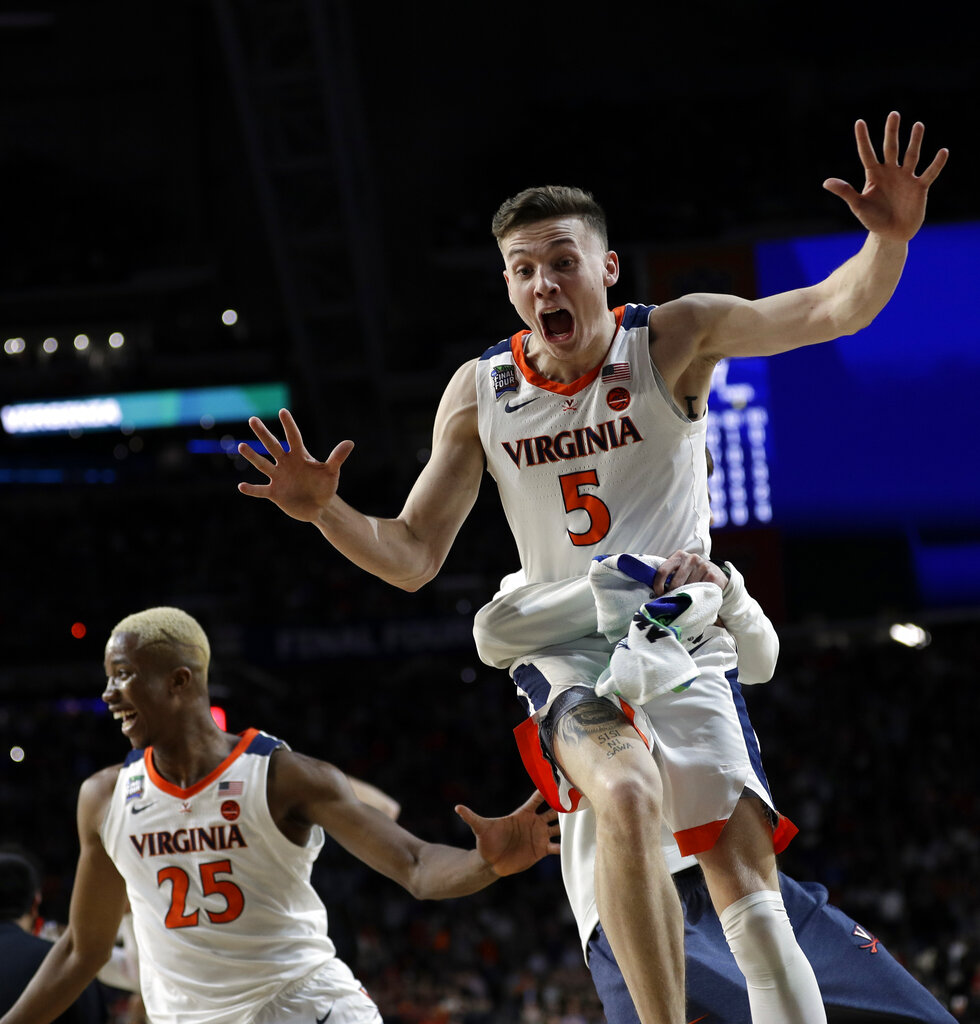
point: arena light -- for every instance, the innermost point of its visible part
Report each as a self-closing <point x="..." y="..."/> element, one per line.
<point x="81" y="342"/>
<point x="229" y="317"/>
<point x="117" y="339"/>
<point x="57" y="417"/>
<point x="142" y="410"/>
<point x="909" y="635"/>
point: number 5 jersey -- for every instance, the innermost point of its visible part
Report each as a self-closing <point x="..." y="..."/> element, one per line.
<point x="607" y="463"/>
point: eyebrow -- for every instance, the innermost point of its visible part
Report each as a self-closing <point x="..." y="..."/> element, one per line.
<point x="564" y="240"/>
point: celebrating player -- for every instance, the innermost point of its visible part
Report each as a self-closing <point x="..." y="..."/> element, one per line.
<point x="212" y="838"/>
<point x="858" y="979"/>
<point x="588" y="420"/>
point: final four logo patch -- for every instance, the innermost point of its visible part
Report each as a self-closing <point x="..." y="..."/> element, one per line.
<point x="504" y="379"/>
<point x="134" y="787"/>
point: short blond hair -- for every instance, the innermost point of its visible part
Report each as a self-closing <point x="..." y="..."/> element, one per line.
<point x="170" y="626"/>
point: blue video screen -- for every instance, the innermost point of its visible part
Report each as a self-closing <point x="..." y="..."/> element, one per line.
<point x="880" y="429"/>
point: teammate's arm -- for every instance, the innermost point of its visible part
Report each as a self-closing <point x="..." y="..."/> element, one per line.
<point x="741" y="614"/>
<point x="891" y="207"/>
<point x="305" y="792"/>
<point x="406" y="551"/>
<point x="97" y="903"/>
<point x="376" y="798"/>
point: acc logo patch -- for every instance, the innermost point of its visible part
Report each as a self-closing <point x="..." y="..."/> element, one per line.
<point x="618" y="399"/>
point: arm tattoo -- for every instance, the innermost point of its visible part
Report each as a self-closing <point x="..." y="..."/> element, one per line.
<point x="692" y="413"/>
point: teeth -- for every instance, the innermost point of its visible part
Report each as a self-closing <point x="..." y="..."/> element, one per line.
<point x="125" y="715"/>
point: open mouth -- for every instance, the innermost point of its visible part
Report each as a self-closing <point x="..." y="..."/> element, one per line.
<point x="126" y="717"/>
<point x="557" y="323"/>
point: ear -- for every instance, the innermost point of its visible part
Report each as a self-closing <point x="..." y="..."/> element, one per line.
<point x="180" y="680"/>
<point x="611" y="269"/>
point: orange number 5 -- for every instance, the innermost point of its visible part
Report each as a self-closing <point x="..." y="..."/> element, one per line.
<point x="598" y="511"/>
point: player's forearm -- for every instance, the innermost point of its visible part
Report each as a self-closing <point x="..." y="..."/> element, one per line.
<point x="445" y="872"/>
<point x="386" y="548"/>
<point x="59" y="981"/>
<point x="757" y="641"/>
<point x="859" y="289"/>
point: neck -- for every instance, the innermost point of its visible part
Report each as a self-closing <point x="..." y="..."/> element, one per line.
<point x="193" y="754"/>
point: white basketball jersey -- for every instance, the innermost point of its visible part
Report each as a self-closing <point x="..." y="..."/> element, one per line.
<point x="223" y="910"/>
<point x="605" y="464"/>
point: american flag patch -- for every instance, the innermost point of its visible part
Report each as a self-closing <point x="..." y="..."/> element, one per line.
<point x="229" y="788"/>
<point x="615" y="371"/>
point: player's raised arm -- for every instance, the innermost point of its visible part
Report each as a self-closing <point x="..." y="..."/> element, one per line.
<point x="406" y="551"/>
<point x="304" y="791"/>
<point x="97" y="902"/>
<point x="891" y="207"/>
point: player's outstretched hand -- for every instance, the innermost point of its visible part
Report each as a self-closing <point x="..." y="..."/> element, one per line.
<point x="299" y="484"/>
<point x="682" y="568"/>
<point x="517" y="841"/>
<point x="893" y="203"/>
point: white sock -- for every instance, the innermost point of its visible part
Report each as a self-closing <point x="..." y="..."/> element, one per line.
<point x="781" y="985"/>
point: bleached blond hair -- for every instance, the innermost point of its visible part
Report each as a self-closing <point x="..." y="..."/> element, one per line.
<point x="170" y="626"/>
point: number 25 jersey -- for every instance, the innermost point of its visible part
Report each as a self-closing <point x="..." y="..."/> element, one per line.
<point x="607" y="463"/>
<point x="223" y="910"/>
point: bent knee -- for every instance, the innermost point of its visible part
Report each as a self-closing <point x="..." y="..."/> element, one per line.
<point x="628" y="795"/>
<point x="759" y="931"/>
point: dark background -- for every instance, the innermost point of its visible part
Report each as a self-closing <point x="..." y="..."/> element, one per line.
<point x="329" y="170"/>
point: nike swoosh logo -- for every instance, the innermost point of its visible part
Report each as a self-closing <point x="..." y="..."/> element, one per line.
<point x="320" y="1020"/>
<point x="136" y="809"/>
<point x="513" y="408"/>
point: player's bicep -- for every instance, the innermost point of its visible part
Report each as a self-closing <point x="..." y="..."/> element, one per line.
<point x="707" y="327"/>
<point x="761" y="327"/>
<point x="322" y="795"/>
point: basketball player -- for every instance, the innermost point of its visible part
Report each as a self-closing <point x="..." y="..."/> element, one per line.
<point x="587" y="420"/>
<point x="212" y="837"/>
<point x="858" y="979"/>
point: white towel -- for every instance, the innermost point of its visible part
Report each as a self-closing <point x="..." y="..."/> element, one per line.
<point x="647" y="662"/>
